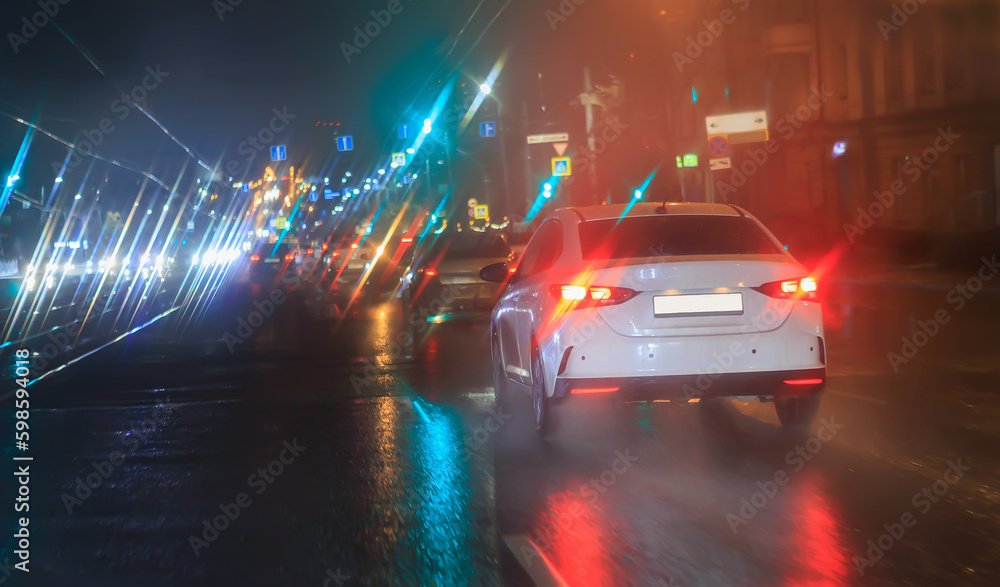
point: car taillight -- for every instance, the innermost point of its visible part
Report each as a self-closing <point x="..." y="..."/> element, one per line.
<point x="254" y="258"/>
<point x="512" y="269"/>
<point x="407" y="240"/>
<point x="584" y="296"/>
<point x="289" y="257"/>
<point x="791" y="289"/>
<point x="430" y="272"/>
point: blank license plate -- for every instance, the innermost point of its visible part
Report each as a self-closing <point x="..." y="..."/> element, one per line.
<point x="727" y="304"/>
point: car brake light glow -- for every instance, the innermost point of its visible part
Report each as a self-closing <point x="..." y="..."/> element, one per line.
<point x="430" y="272"/>
<point x="254" y="258"/>
<point x="511" y="269"/>
<point x="806" y="288"/>
<point x="407" y="240"/>
<point x="592" y="390"/>
<point x="289" y="257"/>
<point x="803" y="381"/>
<point x="584" y="296"/>
<point x="354" y="245"/>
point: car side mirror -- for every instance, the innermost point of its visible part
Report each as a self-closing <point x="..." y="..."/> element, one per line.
<point x="495" y="273"/>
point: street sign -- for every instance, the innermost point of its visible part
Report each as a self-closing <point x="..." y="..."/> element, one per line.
<point x="560" y="148"/>
<point x="720" y="164"/>
<point x="488" y="129"/>
<point x="718" y="146"/>
<point x="246" y="188"/>
<point x="313" y="196"/>
<point x="405" y="131"/>
<point x="399" y="159"/>
<point x="739" y="128"/>
<point x="562" y="166"/>
<point x="278" y="153"/>
<point x="482" y="212"/>
<point x="561" y="137"/>
<point x="190" y="225"/>
<point x="282" y="223"/>
<point x="473" y="202"/>
<point x="329" y="194"/>
<point x="345" y="143"/>
<point x="728" y="124"/>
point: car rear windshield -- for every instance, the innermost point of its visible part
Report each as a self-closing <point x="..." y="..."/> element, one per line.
<point x="269" y="250"/>
<point x="469" y="246"/>
<point x="670" y="236"/>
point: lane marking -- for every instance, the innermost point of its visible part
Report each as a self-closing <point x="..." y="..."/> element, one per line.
<point x="542" y="576"/>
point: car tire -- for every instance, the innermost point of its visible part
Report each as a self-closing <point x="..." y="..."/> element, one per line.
<point x="797" y="411"/>
<point x="499" y="375"/>
<point x="540" y="408"/>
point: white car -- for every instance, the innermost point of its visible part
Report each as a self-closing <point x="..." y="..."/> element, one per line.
<point x="676" y="301"/>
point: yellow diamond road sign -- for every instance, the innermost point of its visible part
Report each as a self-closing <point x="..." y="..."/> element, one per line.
<point x="562" y="167"/>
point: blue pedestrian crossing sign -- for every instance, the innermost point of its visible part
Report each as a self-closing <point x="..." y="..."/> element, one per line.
<point x="278" y="153"/>
<point x="488" y="129"/>
<point x="562" y="167"/>
<point x="246" y="187"/>
<point x="405" y="131"/>
<point x="345" y="143"/>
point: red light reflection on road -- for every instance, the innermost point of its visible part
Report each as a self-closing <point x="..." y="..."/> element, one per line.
<point x="573" y="536"/>
<point x="820" y="558"/>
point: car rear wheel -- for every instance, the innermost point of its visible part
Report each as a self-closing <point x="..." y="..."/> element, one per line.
<point x="797" y="411"/>
<point x="499" y="376"/>
<point x="539" y="401"/>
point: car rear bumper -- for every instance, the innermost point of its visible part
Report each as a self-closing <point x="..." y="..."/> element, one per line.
<point x="688" y="387"/>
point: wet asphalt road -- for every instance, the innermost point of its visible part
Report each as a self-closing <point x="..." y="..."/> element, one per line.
<point x="329" y="456"/>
